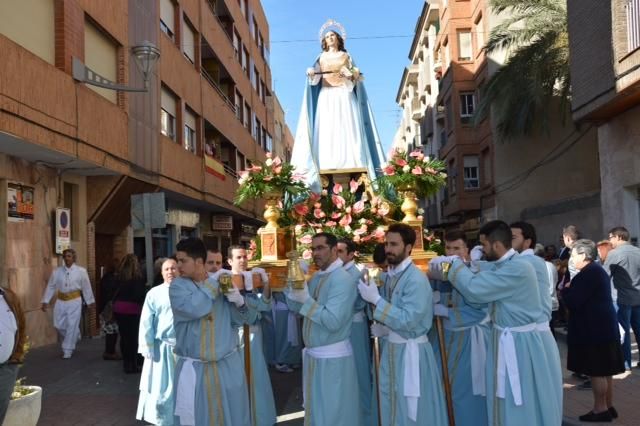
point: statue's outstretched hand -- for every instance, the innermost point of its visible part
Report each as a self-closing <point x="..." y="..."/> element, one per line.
<point x="311" y="72"/>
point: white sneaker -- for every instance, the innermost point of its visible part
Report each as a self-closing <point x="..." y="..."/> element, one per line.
<point x="283" y="368"/>
<point x="67" y="354"/>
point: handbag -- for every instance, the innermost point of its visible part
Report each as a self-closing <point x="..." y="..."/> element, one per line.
<point x="107" y="310"/>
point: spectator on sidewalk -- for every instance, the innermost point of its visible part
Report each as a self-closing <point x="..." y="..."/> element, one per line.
<point x="623" y="263"/>
<point x="107" y="291"/>
<point x="593" y="338"/>
<point x="70" y="283"/>
<point x="156" y="340"/>
<point x="552" y="273"/>
<point x="12" y="342"/>
<point x="127" y="307"/>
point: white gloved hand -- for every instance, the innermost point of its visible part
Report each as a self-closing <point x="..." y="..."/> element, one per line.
<point x="435" y="266"/>
<point x="311" y="72"/>
<point x="379" y="330"/>
<point x="368" y="292"/>
<point x="476" y="253"/>
<point x="235" y="297"/>
<point x="440" y="310"/>
<point x="263" y="274"/>
<point x="299" y="296"/>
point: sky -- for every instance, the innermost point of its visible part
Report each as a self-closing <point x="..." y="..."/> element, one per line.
<point x="379" y="36"/>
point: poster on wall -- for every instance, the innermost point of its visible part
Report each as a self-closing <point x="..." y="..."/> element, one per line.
<point x="20" y="198"/>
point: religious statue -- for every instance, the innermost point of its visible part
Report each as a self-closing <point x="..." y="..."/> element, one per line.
<point x="336" y="129"/>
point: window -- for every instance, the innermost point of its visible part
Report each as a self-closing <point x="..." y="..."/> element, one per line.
<point x="190" y="139"/>
<point x="269" y="146"/>
<point x="243" y="7"/>
<point x="247" y="116"/>
<point x="188" y="41"/>
<point x="167" y="18"/>
<point x="263" y="138"/>
<point x="257" y="135"/>
<point x="467" y="106"/>
<point x="254" y="30"/>
<point x="31" y="25"/>
<point x="479" y="33"/>
<point x="245" y="61"/>
<point x="167" y="113"/>
<point x="261" y="45"/>
<point x="471" y="172"/>
<point x="236" y="46"/>
<point x="255" y="77"/>
<point x="239" y="102"/>
<point x="101" y="55"/>
<point x="464" y="45"/>
<point x="633" y="24"/>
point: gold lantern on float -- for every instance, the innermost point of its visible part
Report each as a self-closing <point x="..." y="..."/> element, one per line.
<point x="295" y="276"/>
<point x="225" y="281"/>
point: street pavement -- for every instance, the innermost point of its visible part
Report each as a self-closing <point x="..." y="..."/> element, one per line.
<point x="86" y="390"/>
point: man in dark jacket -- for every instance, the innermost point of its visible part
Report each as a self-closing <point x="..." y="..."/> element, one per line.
<point x="12" y="342"/>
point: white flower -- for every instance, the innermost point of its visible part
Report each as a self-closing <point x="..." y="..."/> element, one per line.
<point x="406" y="169"/>
<point x="269" y="162"/>
<point x="426" y="159"/>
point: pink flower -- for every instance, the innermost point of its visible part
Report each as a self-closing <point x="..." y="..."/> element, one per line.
<point x="417" y="170"/>
<point x="431" y="171"/>
<point x="415" y="153"/>
<point x="277" y="169"/>
<point x="379" y="235"/>
<point x="277" y="161"/>
<point x="306" y="255"/>
<point x="336" y="215"/>
<point x="346" y="220"/>
<point x="317" y="205"/>
<point x="353" y="186"/>
<point x="305" y="239"/>
<point x="358" y="207"/>
<point x="337" y="189"/>
<point x="389" y="170"/>
<point x="356" y="238"/>
<point x="269" y="155"/>
<point x="360" y="231"/>
<point x="401" y="162"/>
<point x="268" y="178"/>
<point x="255" y="168"/>
<point x="338" y="201"/>
<point x="374" y="210"/>
<point x="318" y="214"/>
<point x="301" y="209"/>
<point x="383" y="210"/>
<point x="330" y="223"/>
<point x="297" y="177"/>
<point x="314" y="197"/>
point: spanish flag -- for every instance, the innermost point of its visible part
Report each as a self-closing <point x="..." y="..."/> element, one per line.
<point x="214" y="166"/>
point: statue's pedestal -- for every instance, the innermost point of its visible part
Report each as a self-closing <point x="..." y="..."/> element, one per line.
<point x="272" y="244"/>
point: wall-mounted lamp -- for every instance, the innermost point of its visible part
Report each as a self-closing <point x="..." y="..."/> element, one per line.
<point x="146" y="55"/>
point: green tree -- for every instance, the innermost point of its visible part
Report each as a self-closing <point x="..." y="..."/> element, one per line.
<point x="524" y="93"/>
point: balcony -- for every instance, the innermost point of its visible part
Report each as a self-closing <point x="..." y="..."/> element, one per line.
<point x="222" y="14"/>
<point x="216" y="75"/>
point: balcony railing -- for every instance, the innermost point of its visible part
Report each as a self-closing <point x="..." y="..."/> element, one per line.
<point x="230" y="171"/>
<point x="633" y="24"/>
<point x="213" y="83"/>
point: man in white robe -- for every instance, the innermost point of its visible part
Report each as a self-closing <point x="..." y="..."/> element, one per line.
<point x="71" y="284"/>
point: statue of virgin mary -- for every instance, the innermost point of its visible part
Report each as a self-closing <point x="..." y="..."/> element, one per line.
<point x="336" y="129"/>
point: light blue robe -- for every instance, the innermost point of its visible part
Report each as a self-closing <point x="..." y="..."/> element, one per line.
<point x="263" y="406"/>
<point x="206" y="329"/>
<point x="406" y="307"/>
<point x="469" y="409"/>
<point x="157" y="337"/>
<point x="511" y="289"/>
<point x="304" y="155"/>
<point x="361" y="343"/>
<point x="330" y="384"/>
<point x="285" y="352"/>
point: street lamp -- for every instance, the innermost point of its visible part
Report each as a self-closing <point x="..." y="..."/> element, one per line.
<point x="146" y="55"/>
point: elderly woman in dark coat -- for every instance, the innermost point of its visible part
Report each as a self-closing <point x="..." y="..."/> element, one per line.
<point x="593" y="338"/>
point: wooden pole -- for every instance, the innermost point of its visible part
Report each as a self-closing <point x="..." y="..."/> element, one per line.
<point x="246" y="338"/>
<point x="376" y="368"/>
<point x="445" y="370"/>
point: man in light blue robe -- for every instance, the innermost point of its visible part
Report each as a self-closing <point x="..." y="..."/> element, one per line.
<point x="466" y="333"/>
<point x="359" y="337"/>
<point x="410" y="382"/>
<point x="156" y="340"/>
<point x="330" y="384"/>
<point x="210" y="379"/>
<point x="263" y="406"/>
<point x="521" y="386"/>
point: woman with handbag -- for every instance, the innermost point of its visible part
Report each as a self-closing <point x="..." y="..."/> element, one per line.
<point x="127" y="308"/>
<point x="107" y="292"/>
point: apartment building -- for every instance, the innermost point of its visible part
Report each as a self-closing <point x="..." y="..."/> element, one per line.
<point x="605" y="75"/>
<point x="207" y="113"/>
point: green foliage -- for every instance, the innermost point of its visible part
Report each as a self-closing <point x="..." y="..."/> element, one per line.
<point x="534" y="33"/>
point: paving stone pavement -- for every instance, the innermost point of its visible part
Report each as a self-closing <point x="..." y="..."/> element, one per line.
<point x="86" y="390"/>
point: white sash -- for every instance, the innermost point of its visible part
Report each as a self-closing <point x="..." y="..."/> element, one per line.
<point x="411" y="370"/>
<point x="339" y="349"/>
<point x="508" y="360"/>
<point x="478" y="355"/>
<point x="358" y="316"/>
<point x="186" y="393"/>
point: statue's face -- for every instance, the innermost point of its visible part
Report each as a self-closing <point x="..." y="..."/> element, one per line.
<point x="331" y="39"/>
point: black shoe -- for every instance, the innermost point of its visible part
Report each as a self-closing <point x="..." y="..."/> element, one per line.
<point x="579" y="376"/>
<point x="605" y="416"/>
<point x="585" y="385"/>
<point x="613" y="412"/>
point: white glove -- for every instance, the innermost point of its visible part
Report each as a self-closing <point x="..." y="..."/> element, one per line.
<point x="304" y="266"/>
<point x="440" y="310"/>
<point x="476" y="253"/>
<point x="299" y="296"/>
<point x="379" y="330"/>
<point x="235" y="297"/>
<point x="435" y="266"/>
<point x="369" y="293"/>
<point x="263" y="274"/>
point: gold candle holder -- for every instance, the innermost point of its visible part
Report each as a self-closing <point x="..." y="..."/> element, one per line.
<point x="295" y="276"/>
<point x="445" y="270"/>
<point x="225" y="282"/>
<point x="374" y="274"/>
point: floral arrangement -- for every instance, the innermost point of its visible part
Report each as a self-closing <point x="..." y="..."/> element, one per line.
<point x="414" y="171"/>
<point x="274" y="176"/>
<point x="340" y="212"/>
<point x="432" y="242"/>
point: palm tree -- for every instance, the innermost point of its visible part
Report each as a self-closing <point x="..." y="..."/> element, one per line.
<point x="535" y="77"/>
